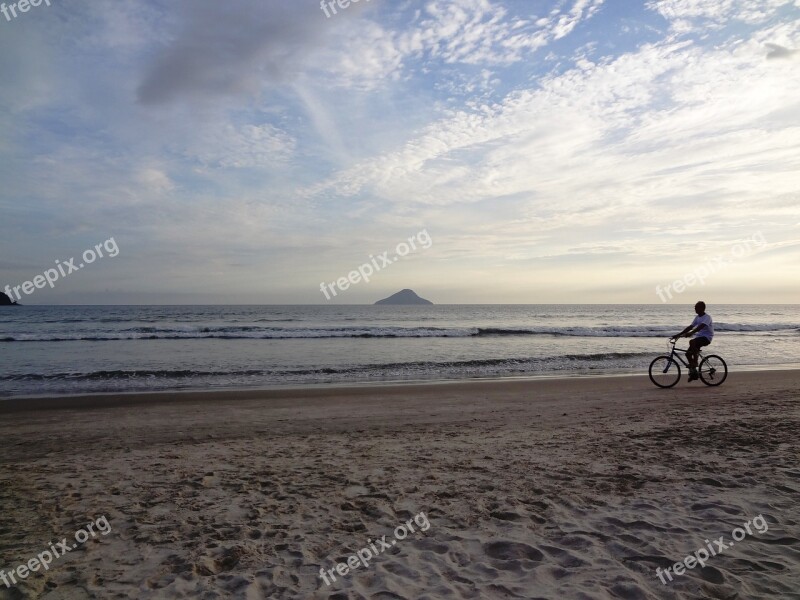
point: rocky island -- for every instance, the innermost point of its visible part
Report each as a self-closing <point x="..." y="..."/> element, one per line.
<point x="404" y="298"/>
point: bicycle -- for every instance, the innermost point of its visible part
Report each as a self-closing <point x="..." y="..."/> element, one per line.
<point x="665" y="371"/>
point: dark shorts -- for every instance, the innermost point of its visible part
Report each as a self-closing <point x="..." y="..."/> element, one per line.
<point x="702" y="341"/>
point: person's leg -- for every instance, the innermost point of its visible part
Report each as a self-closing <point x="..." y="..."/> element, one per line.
<point x="699" y="344"/>
<point x="691" y="354"/>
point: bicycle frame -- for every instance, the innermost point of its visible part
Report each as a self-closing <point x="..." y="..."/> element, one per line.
<point x="674" y="354"/>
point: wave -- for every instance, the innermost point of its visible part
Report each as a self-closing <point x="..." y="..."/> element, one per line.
<point x="123" y="374"/>
<point x="254" y="332"/>
<point x="243" y="333"/>
<point x="501" y="364"/>
<point x="63" y="320"/>
<point x="606" y="331"/>
<point x="747" y="328"/>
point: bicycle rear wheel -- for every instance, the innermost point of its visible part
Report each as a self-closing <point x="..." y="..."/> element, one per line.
<point x="665" y="372"/>
<point x="713" y="370"/>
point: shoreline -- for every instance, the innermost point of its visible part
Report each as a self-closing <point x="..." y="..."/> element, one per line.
<point x="320" y="389"/>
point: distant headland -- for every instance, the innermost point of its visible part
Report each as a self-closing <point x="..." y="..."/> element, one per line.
<point x="6" y="301"/>
<point x="404" y="298"/>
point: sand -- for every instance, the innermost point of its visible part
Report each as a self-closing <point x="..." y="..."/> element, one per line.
<point x="574" y="488"/>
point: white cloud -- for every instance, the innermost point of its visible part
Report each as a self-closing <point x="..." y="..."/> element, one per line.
<point x="717" y="12"/>
<point x="360" y="56"/>
<point x="154" y="181"/>
<point x="480" y="32"/>
<point x="472" y="32"/>
<point x="581" y="9"/>
<point x="641" y="139"/>
<point x="246" y="146"/>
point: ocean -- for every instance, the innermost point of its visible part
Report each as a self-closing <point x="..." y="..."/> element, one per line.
<point x="64" y="350"/>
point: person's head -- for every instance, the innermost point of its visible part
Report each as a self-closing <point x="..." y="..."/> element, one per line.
<point x="700" y="307"/>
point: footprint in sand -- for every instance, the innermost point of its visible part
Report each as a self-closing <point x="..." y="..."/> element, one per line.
<point x="355" y="490"/>
<point x="221" y="560"/>
<point x="505" y="515"/>
<point x="512" y="551"/>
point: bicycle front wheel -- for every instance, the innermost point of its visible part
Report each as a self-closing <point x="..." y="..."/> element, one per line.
<point x="665" y="372"/>
<point x="713" y="370"/>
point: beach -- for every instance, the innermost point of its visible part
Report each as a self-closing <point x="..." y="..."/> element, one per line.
<point x="575" y="488"/>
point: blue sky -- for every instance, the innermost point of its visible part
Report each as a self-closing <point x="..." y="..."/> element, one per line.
<point x="246" y="151"/>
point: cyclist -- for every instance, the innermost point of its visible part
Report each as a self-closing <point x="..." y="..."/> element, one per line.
<point x="702" y="330"/>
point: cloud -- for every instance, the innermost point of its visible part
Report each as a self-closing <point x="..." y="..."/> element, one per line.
<point x="227" y="48"/>
<point x="236" y="47"/>
<point x="480" y="32"/>
<point x="668" y="125"/>
<point x="246" y="146"/>
<point x="566" y="114"/>
<point x="581" y="9"/>
<point x="777" y="51"/>
<point x="359" y="55"/>
<point x="154" y="180"/>
<point x="717" y="12"/>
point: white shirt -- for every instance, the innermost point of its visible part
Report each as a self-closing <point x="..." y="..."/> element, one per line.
<point x="708" y="330"/>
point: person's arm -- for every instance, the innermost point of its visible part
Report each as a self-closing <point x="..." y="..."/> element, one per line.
<point x="681" y="334"/>
<point x="690" y="330"/>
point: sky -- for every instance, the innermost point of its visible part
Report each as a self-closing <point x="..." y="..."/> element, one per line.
<point x="248" y="151"/>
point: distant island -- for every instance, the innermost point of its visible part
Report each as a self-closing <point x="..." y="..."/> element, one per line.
<point x="404" y="298"/>
<point x="6" y="301"/>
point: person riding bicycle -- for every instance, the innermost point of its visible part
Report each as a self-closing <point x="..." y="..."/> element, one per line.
<point x="702" y="328"/>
